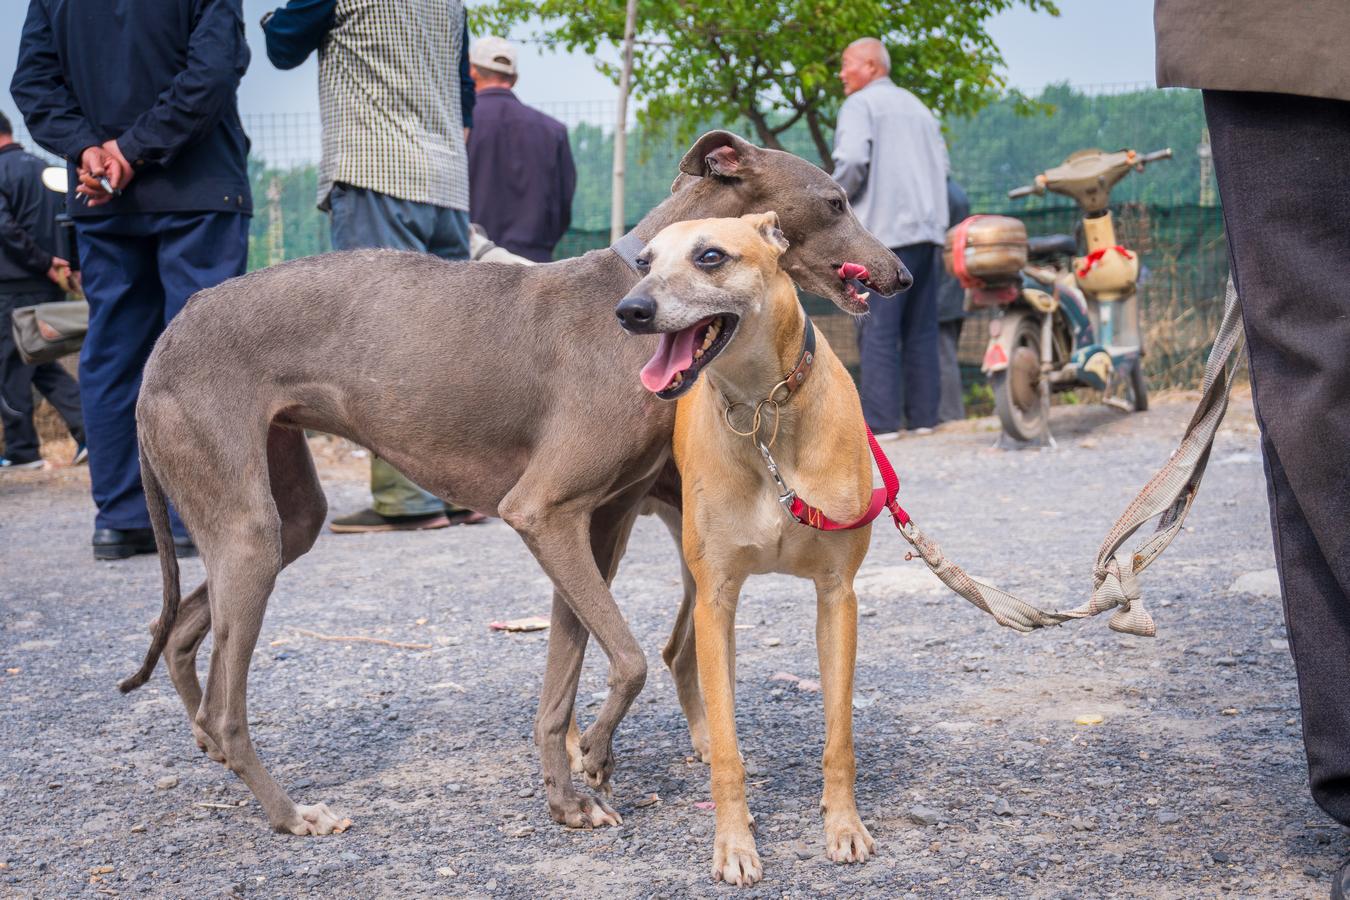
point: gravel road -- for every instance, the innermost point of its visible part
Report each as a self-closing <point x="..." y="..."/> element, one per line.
<point x="972" y="774"/>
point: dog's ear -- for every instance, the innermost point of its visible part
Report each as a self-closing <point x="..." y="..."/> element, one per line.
<point x="767" y="226"/>
<point x="719" y="153"/>
<point x="682" y="181"/>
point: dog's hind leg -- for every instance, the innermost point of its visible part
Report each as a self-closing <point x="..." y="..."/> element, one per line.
<point x="295" y="491"/>
<point x="180" y="658"/>
<point x="243" y="554"/>
<point x="301" y="506"/>
<point x="680" y="651"/>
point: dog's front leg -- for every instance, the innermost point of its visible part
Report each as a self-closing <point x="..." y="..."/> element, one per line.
<point x="735" y="859"/>
<point x="846" y="838"/>
<point x="555" y="723"/>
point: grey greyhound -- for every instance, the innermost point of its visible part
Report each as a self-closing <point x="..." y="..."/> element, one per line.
<point x="505" y="389"/>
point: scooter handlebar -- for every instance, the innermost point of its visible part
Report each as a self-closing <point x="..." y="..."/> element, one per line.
<point x="1156" y="155"/>
<point x="1025" y="190"/>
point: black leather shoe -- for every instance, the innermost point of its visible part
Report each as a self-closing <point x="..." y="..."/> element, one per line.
<point x="1340" y="882"/>
<point x="117" y="543"/>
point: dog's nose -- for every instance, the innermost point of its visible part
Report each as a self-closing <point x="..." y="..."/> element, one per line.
<point x="636" y="313"/>
<point x="903" y="280"/>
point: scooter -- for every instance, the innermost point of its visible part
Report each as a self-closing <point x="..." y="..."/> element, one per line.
<point x="1068" y="321"/>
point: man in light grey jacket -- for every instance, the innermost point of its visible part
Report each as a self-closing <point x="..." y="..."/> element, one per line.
<point x="891" y="160"/>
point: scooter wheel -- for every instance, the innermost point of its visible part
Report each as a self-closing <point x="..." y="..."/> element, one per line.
<point x="1017" y="389"/>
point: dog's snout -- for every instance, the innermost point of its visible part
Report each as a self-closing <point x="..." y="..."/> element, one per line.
<point x="636" y="313"/>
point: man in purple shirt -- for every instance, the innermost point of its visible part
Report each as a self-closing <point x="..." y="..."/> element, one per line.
<point x="521" y="176"/>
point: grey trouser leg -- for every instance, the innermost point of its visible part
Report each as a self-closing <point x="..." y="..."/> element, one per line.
<point x="1285" y="187"/>
<point x="951" y="407"/>
<point x="363" y="218"/>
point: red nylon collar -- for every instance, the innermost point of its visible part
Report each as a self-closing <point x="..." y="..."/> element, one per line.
<point x="882" y="498"/>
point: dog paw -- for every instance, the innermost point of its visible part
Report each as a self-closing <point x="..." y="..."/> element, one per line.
<point x="206" y="745"/>
<point x="576" y="811"/>
<point x="735" y="859"/>
<point x="317" y="819"/>
<point x="597" y="762"/>
<point x="847" y="840"/>
<point x="698" y="739"/>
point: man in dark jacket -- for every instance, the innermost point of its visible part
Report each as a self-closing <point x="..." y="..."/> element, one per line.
<point x="521" y="175"/>
<point x="1276" y="82"/>
<point x="30" y="273"/>
<point x="139" y="97"/>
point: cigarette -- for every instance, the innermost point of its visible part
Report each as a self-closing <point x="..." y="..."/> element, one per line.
<point x="107" y="186"/>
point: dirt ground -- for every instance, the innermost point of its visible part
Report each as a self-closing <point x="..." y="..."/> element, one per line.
<point x="972" y="774"/>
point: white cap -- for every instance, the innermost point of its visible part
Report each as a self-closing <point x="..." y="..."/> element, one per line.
<point x="494" y="54"/>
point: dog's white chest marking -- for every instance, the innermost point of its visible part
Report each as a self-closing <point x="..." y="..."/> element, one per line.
<point x="750" y="527"/>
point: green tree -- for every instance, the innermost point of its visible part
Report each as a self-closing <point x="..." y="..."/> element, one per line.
<point x="772" y="63"/>
<point x="998" y="149"/>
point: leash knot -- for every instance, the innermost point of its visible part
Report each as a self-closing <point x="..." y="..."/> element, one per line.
<point x="1119" y="589"/>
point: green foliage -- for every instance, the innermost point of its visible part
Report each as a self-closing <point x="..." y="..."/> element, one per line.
<point x="304" y="229"/>
<point x="1001" y="149"/>
<point x="773" y="62"/>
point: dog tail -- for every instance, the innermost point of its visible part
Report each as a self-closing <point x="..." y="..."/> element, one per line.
<point x="168" y="567"/>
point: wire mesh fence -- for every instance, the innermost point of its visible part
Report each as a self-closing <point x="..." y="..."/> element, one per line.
<point x="1167" y="213"/>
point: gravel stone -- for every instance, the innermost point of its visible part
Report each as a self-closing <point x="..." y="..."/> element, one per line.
<point x="924" y="815"/>
<point x="431" y="776"/>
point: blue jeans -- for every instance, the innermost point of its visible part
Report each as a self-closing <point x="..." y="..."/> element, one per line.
<point x="364" y="219"/>
<point x="900" y="381"/>
<point x="139" y="270"/>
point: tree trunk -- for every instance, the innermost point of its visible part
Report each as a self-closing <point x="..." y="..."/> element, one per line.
<point x="616" y="222"/>
<point x="818" y="136"/>
<point x="767" y="137"/>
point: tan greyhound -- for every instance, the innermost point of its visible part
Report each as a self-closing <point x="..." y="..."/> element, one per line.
<point x="716" y="294"/>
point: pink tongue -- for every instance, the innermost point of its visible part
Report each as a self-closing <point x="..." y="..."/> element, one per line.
<point x="852" y="270"/>
<point x="674" y="354"/>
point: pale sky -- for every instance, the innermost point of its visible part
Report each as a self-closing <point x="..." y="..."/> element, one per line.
<point x="1092" y="42"/>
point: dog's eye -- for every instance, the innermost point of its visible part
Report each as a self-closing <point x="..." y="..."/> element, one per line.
<point x="642" y="263"/>
<point x="837" y="204"/>
<point x="711" y="257"/>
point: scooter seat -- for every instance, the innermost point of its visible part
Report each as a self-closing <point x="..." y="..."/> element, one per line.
<point x="1051" y="245"/>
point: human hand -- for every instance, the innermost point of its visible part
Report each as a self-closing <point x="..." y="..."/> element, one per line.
<point x="95" y="165"/>
<point x="466" y="134"/>
<point x="123" y="168"/>
<point x="58" y="273"/>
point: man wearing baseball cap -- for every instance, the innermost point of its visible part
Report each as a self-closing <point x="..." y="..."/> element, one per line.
<point x="521" y="176"/>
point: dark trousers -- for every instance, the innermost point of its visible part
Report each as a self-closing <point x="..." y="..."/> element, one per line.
<point x="898" y="348"/>
<point x="952" y="407"/>
<point x="139" y="271"/>
<point x="17" y="381"/>
<point x="1285" y="187"/>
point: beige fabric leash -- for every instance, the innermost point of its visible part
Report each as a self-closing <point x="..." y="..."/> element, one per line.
<point x="1169" y="494"/>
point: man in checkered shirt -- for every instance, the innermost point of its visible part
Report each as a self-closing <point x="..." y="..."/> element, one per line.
<point x="395" y="167"/>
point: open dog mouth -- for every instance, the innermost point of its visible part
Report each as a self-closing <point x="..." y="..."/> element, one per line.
<point x="856" y="281"/>
<point x="681" y="355"/>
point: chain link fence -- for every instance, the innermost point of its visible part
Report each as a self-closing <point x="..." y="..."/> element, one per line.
<point x="1168" y="213"/>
